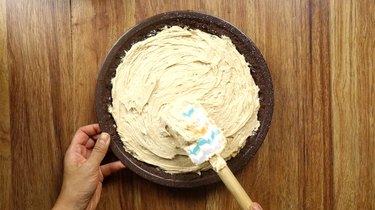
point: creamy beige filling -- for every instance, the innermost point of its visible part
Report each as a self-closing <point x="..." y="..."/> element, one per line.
<point x="182" y="64"/>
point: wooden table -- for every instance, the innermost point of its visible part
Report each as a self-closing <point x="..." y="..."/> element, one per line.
<point x="320" y="150"/>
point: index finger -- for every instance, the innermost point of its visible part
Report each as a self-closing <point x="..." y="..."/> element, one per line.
<point x="83" y="133"/>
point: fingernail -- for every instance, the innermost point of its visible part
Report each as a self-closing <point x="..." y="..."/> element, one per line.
<point x="256" y="206"/>
<point x="104" y="138"/>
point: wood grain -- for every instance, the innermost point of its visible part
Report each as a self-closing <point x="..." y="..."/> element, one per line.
<point x="318" y="192"/>
<point x="320" y="150"/>
<point x="38" y="61"/>
<point x="5" y="151"/>
<point x="353" y="85"/>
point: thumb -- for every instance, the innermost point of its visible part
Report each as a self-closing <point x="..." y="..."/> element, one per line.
<point x="100" y="149"/>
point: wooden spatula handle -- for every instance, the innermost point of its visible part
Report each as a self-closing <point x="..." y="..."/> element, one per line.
<point x="235" y="188"/>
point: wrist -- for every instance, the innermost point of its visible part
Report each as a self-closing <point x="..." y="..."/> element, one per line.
<point x="62" y="203"/>
<point x="67" y="200"/>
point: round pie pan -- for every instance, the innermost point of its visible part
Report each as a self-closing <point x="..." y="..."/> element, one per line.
<point x="206" y="23"/>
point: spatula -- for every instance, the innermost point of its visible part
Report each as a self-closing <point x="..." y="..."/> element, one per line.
<point x="204" y="141"/>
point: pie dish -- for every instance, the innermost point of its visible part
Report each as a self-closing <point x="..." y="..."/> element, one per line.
<point x="208" y="24"/>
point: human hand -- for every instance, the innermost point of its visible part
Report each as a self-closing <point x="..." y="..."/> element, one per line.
<point x="83" y="174"/>
<point x="256" y="206"/>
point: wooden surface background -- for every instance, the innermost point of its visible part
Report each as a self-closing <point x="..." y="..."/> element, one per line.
<point x="320" y="150"/>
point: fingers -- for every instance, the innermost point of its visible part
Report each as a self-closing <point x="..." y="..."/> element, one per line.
<point x="96" y="137"/>
<point x="256" y="206"/>
<point x="83" y="133"/>
<point x="100" y="149"/>
<point x="90" y="143"/>
<point x="110" y="168"/>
